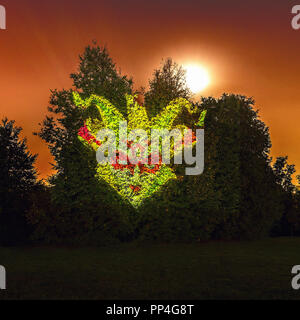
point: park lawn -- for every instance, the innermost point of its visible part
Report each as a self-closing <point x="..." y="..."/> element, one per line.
<point x="212" y="270"/>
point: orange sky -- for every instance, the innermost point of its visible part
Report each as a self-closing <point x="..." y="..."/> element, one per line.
<point x="248" y="48"/>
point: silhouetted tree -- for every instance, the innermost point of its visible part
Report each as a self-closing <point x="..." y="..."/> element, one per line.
<point x="17" y="180"/>
<point x="244" y="177"/>
<point x="167" y="84"/>
<point x="284" y="174"/>
<point x="290" y="220"/>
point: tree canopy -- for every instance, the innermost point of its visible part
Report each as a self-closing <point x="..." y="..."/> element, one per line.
<point x="239" y="195"/>
<point x="18" y="178"/>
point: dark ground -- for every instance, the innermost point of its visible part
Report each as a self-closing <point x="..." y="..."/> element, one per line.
<point x="213" y="270"/>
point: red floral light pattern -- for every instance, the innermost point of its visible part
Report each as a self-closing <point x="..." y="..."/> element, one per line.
<point x="86" y="135"/>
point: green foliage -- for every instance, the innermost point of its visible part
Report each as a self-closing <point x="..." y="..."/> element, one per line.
<point x="17" y="180"/>
<point x="82" y="206"/>
<point x="284" y="174"/>
<point x="289" y="223"/>
<point x="243" y="172"/>
<point x="188" y="208"/>
<point x="133" y="182"/>
<point x="97" y="74"/>
<point x="168" y="83"/>
<point x="239" y="195"/>
<point x="226" y="200"/>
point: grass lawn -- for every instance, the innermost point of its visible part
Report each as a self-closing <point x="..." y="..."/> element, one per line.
<point x="213" y="270"/>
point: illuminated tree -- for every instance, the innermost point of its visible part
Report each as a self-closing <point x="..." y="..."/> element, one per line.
<point x="134" y="182"/>
<point x="83" y="205"/>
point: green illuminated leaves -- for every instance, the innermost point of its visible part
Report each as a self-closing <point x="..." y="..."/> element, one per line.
<point x="133" y="182"/>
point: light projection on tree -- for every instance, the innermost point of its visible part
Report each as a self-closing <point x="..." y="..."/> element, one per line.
<point x="134" y="182"/>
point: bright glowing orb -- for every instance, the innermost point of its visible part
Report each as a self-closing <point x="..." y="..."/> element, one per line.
<point x="197" y="78"/>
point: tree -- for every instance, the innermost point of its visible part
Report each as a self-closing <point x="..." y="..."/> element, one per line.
<point x="290" y="220"/>
<point x="244" y="178"/>
<point x="226" y="200"/>
<point x="83" y="205"/>
<point x="186" y="208"/>
<point x="18" y="178"/>
<point x="284" y="174"/>
<point x="97" y="74"/>
<point x="236" y="197"/>
<point x="297" y="197"/>
<point x="167" y="84"/>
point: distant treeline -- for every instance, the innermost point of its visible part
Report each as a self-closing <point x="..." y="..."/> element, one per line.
<point x="242" y="193"/>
